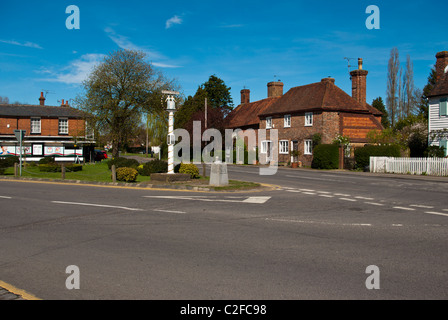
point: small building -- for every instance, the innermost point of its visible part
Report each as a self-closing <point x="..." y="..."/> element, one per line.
<point x="438" y="109"/>
<point x="50" y="131"/>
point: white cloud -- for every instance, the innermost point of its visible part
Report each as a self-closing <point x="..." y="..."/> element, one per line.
<point x="173" y="20"/>
<point x="124" y="43"/>
<point x="77" y="71"/>
<point x="24" y="44"/>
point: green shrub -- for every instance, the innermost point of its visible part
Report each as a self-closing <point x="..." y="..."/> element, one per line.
<point x="362" y="155"/>
<point x="47" y="160"/>
<point x="2" y="171"/>
<point x="154" y="166"/>
<point x="325" y="156"/>
<point x="120" y="162"/>
<point x="73" y="167"/>
<point x="127" y="174"/>
<point x="6" y="162"/>
<point x="190" y="169"/>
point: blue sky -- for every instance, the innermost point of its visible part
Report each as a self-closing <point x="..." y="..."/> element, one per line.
<point x="245" y="43"/>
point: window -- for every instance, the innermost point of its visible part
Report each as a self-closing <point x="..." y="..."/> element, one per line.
<point x="284" y="146"/>
<point x="444" y="144"/>
<point x="287" y="121"/>
<point x="308" y="147"/>
<point x="63" y="126"/>
<point x="35" y="125"/>
<point x="443" y="107"/>
<point x="308" y="119"/>
<point x="268" y="122"/>
<point x="264" y="146"/>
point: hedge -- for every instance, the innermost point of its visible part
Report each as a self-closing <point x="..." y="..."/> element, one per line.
<point x="362" y="155"/>
<point x="325" y="156"/>
<point x="6" y="162"/>
<point x="154" y="166"/>
<point x="120" y="162"/>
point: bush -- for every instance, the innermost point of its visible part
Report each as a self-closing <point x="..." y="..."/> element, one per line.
<point x="127" y="174"/>
<point x="6" y="162"/>
<point x="362" y="155"/>
<point x="325" y="156"/>
<point x="47" y="160"/>
<point x="435" y="151"/>
<point x="190" y="169"/>
<point x="154" y="166"/>
<point x="120" y="162"/>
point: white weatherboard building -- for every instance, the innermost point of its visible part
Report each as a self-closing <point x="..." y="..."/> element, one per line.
<point x="438" y="108"/>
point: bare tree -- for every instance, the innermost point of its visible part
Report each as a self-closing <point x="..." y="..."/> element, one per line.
<point x="4" y="100"/>
<point x="392" y="86"/>
<point x="410" y="102"/>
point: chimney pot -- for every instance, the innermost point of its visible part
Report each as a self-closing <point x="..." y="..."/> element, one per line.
<point x="42" y="99"/>
<point x="359" y="84"/>
<point x="62" y="104"/>
<point x="245" y="96"/>
<point x="441" y="64"/>
<point x="275" y="89"/>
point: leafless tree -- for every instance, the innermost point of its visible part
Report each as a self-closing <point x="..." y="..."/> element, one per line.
<point x="392" y="86"/>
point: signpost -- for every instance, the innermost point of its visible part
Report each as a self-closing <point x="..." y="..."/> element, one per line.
<point x="171" y="107"/>
<point x="20" y="134"/>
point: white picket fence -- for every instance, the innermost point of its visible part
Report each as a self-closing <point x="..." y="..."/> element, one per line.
<point x="428" y="166"/>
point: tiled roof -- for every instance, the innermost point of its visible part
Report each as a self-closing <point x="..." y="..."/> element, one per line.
<point x="12" y="110"/>
<point x="324" y="95"/>
<point x="247" y="114"/>
<point x="441" y="87"/>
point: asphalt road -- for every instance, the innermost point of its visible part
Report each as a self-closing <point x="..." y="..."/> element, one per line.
<point x="312" y="238"/>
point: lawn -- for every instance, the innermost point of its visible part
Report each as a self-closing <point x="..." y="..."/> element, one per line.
<point x="90" y="172"/>
<point x="99" y="172"/>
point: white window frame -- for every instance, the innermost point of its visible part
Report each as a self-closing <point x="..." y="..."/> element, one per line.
<point x="308" y="147"/>
<point x="264" y="146"/>
<point x="283" y="146"/>
<point x="308" y="119"/>
<point x="287" y="121"/>
<point x="269" y="123"/>
<point x="443" y="107"/>
<point x="65" y="127"/>
<point x="34" y="128"/>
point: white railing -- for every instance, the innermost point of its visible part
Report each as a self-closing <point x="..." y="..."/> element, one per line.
<point x="425" y="166"/>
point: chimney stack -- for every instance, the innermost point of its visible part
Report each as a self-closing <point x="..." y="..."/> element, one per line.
<point x="245" y="96"/>
<point x="42" y="99"/>
<point x="441" y="64"/>
<point x="62" y="104"/>
<point x="359" y="83"/>
<point x="275" y="89"/>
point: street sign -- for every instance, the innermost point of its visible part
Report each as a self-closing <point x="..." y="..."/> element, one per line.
<point x="20" y="134"/>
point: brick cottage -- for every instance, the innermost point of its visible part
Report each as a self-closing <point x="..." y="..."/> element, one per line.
<point x="302" y="112"/>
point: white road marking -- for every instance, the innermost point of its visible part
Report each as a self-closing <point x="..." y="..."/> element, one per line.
<point x="326" y="196"/>
<point x="326" y="192"/>
<point x="364" y="198"/>
<point x="308" y="190"/>
<point x="290" y="190"/>
<point x="404" y="208"/>
<point x="4" y="197"/>
<point x="374" y="203"/>
<point x="421" y="206"/>
<point x="312" y="193"/>
<point x="97" y="205"/>
<point x="437" y="213"/>
<point x="168" y="211"/>
<point x="257" y="200"/>
<point x="347" y="199"/>
<point x="320" y="222"/>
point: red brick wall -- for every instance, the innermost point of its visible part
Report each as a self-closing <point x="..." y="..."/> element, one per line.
<point x="49" y="127"/>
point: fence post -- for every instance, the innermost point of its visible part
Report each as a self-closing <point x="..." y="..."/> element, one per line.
<point x="16" y="169"/>
<point x="62" y="171"/>
<point x="114" y="173"/>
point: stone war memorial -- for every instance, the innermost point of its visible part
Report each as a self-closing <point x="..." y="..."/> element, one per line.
<point x="218" y="174"/>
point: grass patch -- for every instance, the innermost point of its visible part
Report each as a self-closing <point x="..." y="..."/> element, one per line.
<point x="238" y="185"/>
